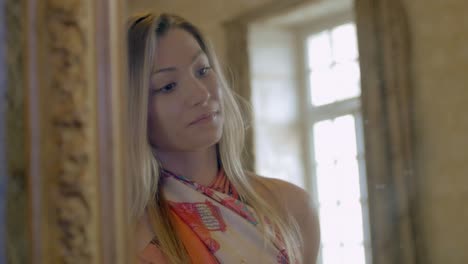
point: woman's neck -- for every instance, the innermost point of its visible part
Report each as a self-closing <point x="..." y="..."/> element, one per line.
<point x="200" y="166"/>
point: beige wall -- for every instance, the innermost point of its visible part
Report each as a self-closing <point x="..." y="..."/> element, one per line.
<point x="440" y="74"/>
<point x="440" y="63"/>
<point x="206" y="14"/>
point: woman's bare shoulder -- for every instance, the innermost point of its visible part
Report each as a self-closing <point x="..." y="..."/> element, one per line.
<point x="298" y="203"/>
<point x="291" y="194"/>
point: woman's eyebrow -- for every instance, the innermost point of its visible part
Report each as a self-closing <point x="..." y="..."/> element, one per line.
<point x="165" y="70"/>
<point x="195" y="57"/>
<point x="169" y="69"/>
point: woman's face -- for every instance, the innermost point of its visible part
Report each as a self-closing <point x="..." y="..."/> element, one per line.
<point x="184" y="108"/>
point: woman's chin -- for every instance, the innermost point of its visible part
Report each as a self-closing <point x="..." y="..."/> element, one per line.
<point x="205" y="142"/>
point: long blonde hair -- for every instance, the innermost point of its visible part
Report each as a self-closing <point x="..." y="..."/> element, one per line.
<point x="143" y="31"/>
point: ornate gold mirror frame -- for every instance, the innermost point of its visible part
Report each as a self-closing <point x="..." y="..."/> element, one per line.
<point x="64" y="64"/>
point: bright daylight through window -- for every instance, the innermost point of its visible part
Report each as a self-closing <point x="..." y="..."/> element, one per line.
<point x="336" y="140"/>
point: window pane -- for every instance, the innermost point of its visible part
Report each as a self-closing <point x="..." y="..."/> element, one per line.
<point x="344" y="133"/>
<point x="336" y="254"/>
<point x="348" y="181"/>
<point x="324" y="142"/>
<point x="327" y="183"/>
<point x="335" y="140"/>
<point x="352" y="229"/>
<point x="338" y="182"/>
<point x="322" y="87"/>
<point x="348" y="80"/>
<point x="319" y="50"/>
<point x="341" y="223"/>
<point x="344" y="42"/>
<point x="338" y="187"/>
<point x="354" y="254"/>
<point x="341" y="228"/>
<point x="332" y="255"/>
<point x="331" y="231"/>
<point x="340" y="82"/>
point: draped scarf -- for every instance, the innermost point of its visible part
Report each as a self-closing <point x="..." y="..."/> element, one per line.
<point x="214" y="225"/>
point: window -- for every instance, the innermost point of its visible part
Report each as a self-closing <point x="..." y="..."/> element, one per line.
<point x="336" y="143"/>
<point x="333" y="66"/>
<point x="308" y="125"/>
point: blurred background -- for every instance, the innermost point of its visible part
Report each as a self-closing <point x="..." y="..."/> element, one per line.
<point x="362" y="103"/>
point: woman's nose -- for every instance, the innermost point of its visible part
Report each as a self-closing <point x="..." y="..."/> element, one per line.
<point x="199" y="92"/>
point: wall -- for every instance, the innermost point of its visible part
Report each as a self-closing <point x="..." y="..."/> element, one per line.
<point x="206" y="14"/>
<point x="275" y="103"/>
<point x="439" y="32"/>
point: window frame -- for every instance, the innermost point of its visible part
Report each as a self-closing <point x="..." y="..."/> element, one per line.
<point x="312" y="114"/>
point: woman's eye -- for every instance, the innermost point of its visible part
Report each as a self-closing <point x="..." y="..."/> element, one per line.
<point x="203" y="71"/>
<point x="167" y="88"/>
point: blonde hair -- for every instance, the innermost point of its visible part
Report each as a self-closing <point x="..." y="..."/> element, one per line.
<point x="143" y="31"/>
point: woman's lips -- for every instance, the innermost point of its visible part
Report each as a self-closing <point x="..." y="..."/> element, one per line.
<point x="205" y="117"/>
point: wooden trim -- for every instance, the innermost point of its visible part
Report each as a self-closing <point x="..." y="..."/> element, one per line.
<point x="386" y="101"/>
<point x="270" y="9"/>
<point x="333" y="110"/>
<point x="331" y="20"/>
<point x="239" y="67"/>
<point x="304" y="103"/>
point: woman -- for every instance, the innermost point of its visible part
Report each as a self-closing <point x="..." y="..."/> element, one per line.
<point x="192" y="200"/>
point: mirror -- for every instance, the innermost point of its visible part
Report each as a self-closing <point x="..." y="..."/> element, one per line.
<point x="361" y="103"/>
<point x="405" y="132"/>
